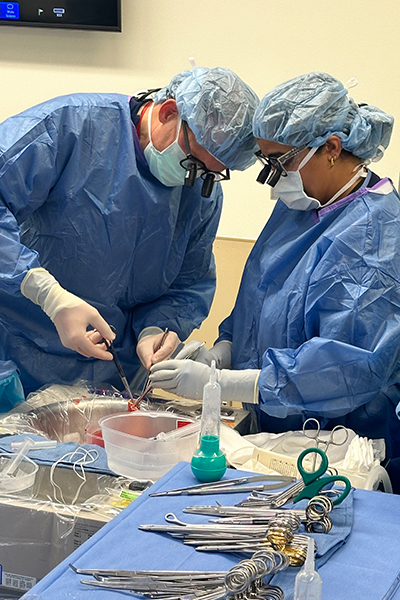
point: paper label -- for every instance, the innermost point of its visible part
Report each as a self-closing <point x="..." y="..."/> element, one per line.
<point x="17" y="582"/>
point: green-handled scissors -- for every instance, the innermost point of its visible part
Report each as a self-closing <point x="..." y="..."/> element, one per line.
<point x="314" y="480"/>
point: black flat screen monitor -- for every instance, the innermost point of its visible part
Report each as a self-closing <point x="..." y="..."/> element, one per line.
<point x="102" y="15"/>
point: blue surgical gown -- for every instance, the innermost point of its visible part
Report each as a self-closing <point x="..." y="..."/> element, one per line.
<point x="77" y="198"/>
<point x="318" y="312"/>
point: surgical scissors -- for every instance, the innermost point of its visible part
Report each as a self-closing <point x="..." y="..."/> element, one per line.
<point x="315" y="481"/>
<point x="278" y="534"/>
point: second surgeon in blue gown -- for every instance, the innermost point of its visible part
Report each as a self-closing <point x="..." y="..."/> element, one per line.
<point x="95" y="220"/>
<point x="315" y="330"/>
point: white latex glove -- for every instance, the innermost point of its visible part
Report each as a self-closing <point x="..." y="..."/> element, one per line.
<point x="71" y="315"/>
<point x="221" y="353"/>
<point x="148" y="347"/>
<point x="187" y="378"/>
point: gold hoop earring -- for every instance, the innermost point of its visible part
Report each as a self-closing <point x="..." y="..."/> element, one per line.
<point x="333" y="158"/>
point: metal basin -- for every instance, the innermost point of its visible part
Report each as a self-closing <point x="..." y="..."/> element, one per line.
<point x="63" y="413"/>
<point x="62" y="421"/>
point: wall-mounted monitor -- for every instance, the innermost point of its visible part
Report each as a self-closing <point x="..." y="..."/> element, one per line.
<point x="101" y="15"/>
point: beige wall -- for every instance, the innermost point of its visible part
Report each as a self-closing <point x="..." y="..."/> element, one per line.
<point x="264" y="41"/>
<point x="230" y="257"/>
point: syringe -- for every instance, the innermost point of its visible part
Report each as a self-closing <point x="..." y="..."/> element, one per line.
<point x="308" y="583"/>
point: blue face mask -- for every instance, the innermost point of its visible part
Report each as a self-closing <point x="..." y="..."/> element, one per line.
<point x="165" y="164"/>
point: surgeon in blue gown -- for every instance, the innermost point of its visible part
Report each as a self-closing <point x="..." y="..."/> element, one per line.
<point x="98" y="229"/>
<point x="315" y="330"/>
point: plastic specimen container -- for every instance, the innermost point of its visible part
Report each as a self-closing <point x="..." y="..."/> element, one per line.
<point x="93" y="434"/>
<point x="132" y="446"/>
<point x="21" y="480"/>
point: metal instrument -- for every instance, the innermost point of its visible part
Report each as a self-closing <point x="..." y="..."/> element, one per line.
<point x="110" y="348"/>
<point x="229" y="486"/>
<point x="337" y="437"/>
<point x="315" y="516"/>
<point x="146" y="387"/>
<point x="244" y="581"/>
<point x="276" y="535"/>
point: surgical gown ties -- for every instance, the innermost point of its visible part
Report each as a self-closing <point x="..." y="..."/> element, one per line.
<point x="318" y="313"/>
<point x="76" y="191"/>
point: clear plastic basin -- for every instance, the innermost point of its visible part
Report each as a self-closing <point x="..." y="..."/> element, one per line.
<point x="20" y="481"/>
<point x="132" y="449"/>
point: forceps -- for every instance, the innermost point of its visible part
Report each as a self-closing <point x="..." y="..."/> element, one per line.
<point x="146" y="387"/>
<point x="314" y="434"/>
<point x="229" y="486"/>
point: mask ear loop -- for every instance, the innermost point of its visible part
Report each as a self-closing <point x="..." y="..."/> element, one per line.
<point x="178" y="126"/>
<point x="149" y="122"/>
<point x="307" y="157"/>
<point x="360" y="173"/>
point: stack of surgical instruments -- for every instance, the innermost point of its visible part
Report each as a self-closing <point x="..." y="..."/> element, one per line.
<point x="246" y="580"/>
<point x="260" y="522"/>
<point x="277" y="534"/>
<point x="230" y="486"/>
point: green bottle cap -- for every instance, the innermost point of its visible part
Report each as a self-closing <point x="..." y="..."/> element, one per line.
<point x="209" y="462"/>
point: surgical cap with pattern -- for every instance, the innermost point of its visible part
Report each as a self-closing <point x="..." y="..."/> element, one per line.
<point x="219" y="108"/>
<point x="310" y="108"/>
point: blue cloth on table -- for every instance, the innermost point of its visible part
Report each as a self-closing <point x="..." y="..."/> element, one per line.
<point x="366" y="566"/>
<point x="48" y="456"/>
<point x="107" y="548"/>
<point x="327" y="543"/>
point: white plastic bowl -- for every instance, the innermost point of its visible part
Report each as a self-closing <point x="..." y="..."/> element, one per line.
<point x="132" y="450"/>
<point x="21" y="481"/>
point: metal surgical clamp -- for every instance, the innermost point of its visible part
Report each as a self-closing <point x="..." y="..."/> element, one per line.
<point x="229" y="486"/>
<point x="243" y="581"/>
<point x="314" y="434"/>
<point x="238" y="538"/>
<point x="110" y="348"/>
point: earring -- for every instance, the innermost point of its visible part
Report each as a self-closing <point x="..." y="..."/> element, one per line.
<point x="333" y="158"/>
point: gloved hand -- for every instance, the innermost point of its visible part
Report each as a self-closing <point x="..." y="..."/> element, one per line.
<point x="71" y="315"/>
<point x="11" y="392"/>
<point x="221" y="353"/>
<point x="148" y="348"/>
<point x="187" y="378"/>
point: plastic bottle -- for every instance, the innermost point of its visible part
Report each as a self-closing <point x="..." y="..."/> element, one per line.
<point x="209" y="462"/>
<point x="308" y="583"/>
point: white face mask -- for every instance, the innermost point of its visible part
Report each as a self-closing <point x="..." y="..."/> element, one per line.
<point x="291" y="191"/>
<point x="165" y="164"/>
